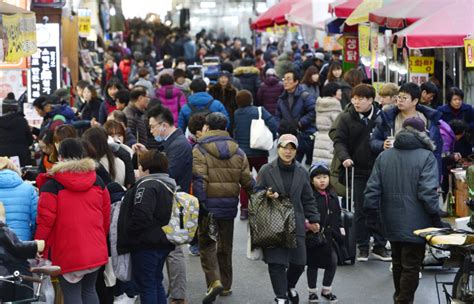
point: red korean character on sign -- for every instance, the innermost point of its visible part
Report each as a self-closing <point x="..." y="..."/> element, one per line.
<point x="418" y="62"/>
<point x="351" y="51"/>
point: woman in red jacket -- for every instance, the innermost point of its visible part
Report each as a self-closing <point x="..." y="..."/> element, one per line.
<point x="74" y="218"/>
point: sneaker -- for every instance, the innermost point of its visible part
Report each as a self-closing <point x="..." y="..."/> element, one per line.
<point x="313" y="298"/>
<point x="293" y="296"/>
<point x="213" y="291"/>
<point x="124" y="299"/>
<point x="382" y="254"/>
<point x="363" y="255"/>
<point x="281" y="301"/>
<point x="226" y="293"/>
<point x="330" y="297"/>
<point x="244" y="214"/>
<point x="194" y="250"/>
<point x="178" y="301"/>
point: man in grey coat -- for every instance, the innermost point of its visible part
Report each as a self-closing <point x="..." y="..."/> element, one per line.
<point x="403" y="190"/>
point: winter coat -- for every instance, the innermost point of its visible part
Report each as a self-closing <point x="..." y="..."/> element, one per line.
<point x="304" y="206"/>
<point x="180" y="159"/>
<point x="123" y="154"/>
<point x="147" y="85"/>
<point x="74" y="216"/>
<point x="15" y="137"/>
<point x="301" y="116"/>
<point x="226" y="95"/>
<point x="136" y="123"/>
<point x="249" y="77"/>
<point x="133" y="77"/>
<point x="268" y="93"/>
<point x="125" y="68"/>
<point x="116" y="73"/>
<point x="465" y="113"/>
<point x="172" y="98"/>
<point x="351" y="140"/>
<point x="330" y="212"/>
<point x="106" y="107"/>
<point x="243" y="120"/>
<point x="199" y="100"/>
<point x="283" y="64"/>
<point x="327" y="109"/>
<point x="60" y="114"/>
<point x="220" y="168"/>
<point x="149" y="211"/>
<point x="313" y="90"/>
<point x="448" y="136"/>
<point x="385" y="126"/>
<point x="91" y="109"/>
<point x="411" y="170"/>
<point x="19" y="199"/>
<point x="184" y="87"/>
<point x="13" y="256"/>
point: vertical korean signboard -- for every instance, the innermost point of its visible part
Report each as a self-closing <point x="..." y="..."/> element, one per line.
<point x="45" y="68"/>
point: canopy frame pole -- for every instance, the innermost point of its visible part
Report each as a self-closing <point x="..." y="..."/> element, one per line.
<point x="460" y="67"/>
<point x="444" y="76"/>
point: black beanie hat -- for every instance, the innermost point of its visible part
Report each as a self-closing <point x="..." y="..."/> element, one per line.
<point x="317" y="169"/>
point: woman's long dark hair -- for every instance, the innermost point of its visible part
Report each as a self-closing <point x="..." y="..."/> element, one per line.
<point x="97" y="137"/>
<point x="308" y="76"/>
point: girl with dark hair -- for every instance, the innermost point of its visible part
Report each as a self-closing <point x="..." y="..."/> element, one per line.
<point x="108" y="105"/>
<point x="91" y="108"/>
<point x="335" y="72"/>
<point x="310" y="81"/>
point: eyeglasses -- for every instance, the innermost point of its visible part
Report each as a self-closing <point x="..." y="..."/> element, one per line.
<point x="152" y="126"/>
<point x="287" y="79"/>
<point x="403" y="97"/>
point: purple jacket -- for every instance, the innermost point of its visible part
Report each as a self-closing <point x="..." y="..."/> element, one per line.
<point x="172" y="98"/>
<point x="447" y="135"/>
<point x="269" y="92"/>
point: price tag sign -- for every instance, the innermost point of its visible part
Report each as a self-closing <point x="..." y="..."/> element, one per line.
<point x="421" y="65"/>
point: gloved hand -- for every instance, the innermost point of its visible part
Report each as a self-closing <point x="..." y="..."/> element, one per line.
<point x="372" y="219"/>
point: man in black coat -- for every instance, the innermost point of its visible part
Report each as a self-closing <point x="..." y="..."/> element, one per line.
<point x="351" y="146"/>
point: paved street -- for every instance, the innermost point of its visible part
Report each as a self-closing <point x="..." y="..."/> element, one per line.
<point x="368" y="283"/>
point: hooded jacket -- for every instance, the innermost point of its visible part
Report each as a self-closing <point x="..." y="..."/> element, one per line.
<point x="226" y="95"/>
<point x="327" y="109"/>
<point x="106" y="107"/>
<point x="19" y="199"/>
<point x="268" y="93"/>
<point x="74" y="215"/>
<point x="136" y="123"/>
<point x="411" y="200"/>
<point x="220" y="168"/>
<point x="172" y="98"/>
<point x="60" y="114"/>
<point x="200" y="100"/>
<point x="249" y="77"/>
<point x="15" y="137"/>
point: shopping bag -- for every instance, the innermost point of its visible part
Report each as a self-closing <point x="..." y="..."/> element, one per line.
<point x="272" y="221"/>
<point x="255" y="254"/>
<point x="261" y="137"/>
<point x="47" y="294"/>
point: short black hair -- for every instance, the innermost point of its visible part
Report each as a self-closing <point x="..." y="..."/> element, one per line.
<point x="454" y="91"/>
<point x="168" y="63"/>
<point x="123" y="96"/>
<point x="71" y="148"/>
<point x="330" y="89"/>
<point x="180" y="59"/>
<point x="412" y="89"/>
<point x="154" y="161"/>
<point x="119" y="116"/>
<point x="137" y="92"/>
<point x="196" y="122"/>
<point x="226" y="66"/>
<point x="39" y="102"/>
<point x="364" y="90"/>
<point x="429" y="87"/>
<point x="198" y="85"/>
<point x="216" y="121"/>
<point x="82" y="84"/>
<point x="178" y="73"/>
<point x="458" y="126"/>
<point x="162" y="113"/>
<point x="296" y="77"/>
<point x="166" y="79"/>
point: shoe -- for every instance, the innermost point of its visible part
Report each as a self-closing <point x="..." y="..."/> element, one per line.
<point x="176" y="301"/>
<point x="313" y="298"/>
<point x="281" y="301"/>
<point x="213" y="291"/>
<point x="226" y="293"/>
<point x="293" y="296"/>
<point x="330" y="297"/>
<point x="244" y="214"/>
<point x="124" y="299"/>
<point x="382" y="254"/>
<point x="194" y="250"/>
<point x="363" y="255"/>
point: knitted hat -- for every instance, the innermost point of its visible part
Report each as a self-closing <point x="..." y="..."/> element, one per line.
<point x="319" y="56"/>
<point x="415" y="123"/>
<point x="243" y="98"/>
<point x="225" y="73"/>
<point x="270" y="72"/>
<point x="317" y="169"/>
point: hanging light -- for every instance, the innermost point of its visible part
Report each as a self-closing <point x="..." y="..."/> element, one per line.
<point x="112" y="11"/>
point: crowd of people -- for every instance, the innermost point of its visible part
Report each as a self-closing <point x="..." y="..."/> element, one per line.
<point x="150" y="122"/>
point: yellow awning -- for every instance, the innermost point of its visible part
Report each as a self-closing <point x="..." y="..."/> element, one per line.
<point x="361" y="13"/>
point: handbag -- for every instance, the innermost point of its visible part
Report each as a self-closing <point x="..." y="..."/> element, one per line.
<point x="314" y="240"/>
<point x="261" y="138"/>
<point x="272" y="221"/>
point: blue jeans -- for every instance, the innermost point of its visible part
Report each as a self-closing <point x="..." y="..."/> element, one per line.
<point x="147" y="271"/>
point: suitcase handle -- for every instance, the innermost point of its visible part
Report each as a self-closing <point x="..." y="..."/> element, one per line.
<point x="349" y="199"/>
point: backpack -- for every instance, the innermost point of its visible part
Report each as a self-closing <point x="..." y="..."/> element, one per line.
<point x="121" y="263"/>
<point x="184" y="217"/>
<point x="169" y="96"/>
<point x="198" y="110"/>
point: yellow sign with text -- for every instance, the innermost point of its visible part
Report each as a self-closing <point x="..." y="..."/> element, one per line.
<point x="469" y="51"/>
<point x="421" y="65"/>
<point x="364" y="40"/>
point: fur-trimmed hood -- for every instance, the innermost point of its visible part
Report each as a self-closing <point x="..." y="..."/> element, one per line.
<point x="328" y="104"/>
<point x="246" y="70"/>
<point x="75" y="174"/>
<point x="410" y="139"/>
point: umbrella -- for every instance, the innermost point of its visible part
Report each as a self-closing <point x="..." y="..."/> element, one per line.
<point x="402" y="13"/>
<point x="343" y="9"/>
<point x="361" y="13"/>
<point x="274" y="15"/>
<point x="309" y="12"/>
<point x="446" y="28"/>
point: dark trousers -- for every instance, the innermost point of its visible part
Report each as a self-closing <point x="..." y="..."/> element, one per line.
<point x="406" y="259"/>
<point x="283" y="278"/>
<point x="216" y="257"/>
<point x="329" y="273"/>
<point x="362" y="232"/>
<point x="147" y="272"/>
<point x="257" y="163"/>
<point x="82" y="291"/>
<point x="305" y="148"/>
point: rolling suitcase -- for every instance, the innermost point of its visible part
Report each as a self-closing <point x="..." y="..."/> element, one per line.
<point x="347" y="252"/>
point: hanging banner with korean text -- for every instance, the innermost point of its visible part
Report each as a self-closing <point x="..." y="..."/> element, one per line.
<point x="364" y="40"/>
<point x="351" y="49"/>
<point x="84" y="22"/>
<point x="44" y="73"/>
<point x="421" y="65"/>
<point x="469" y="51"/>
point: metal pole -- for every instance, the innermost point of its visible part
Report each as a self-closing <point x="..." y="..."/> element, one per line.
<point x="461" y="67"/>
<point x="444" y="76"/>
